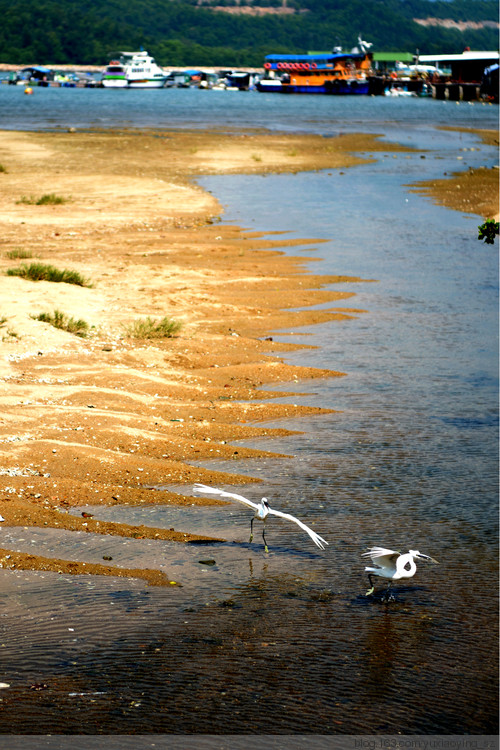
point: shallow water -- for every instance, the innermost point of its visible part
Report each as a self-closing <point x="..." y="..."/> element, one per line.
<point x="56" y="108"/>
<point x="287" y="643"/>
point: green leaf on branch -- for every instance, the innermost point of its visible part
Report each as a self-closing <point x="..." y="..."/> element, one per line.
<point x="488" y="231"/>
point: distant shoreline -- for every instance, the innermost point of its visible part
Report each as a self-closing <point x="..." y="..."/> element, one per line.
<point x="73" y="67"/>
<point x="7" y="67"/>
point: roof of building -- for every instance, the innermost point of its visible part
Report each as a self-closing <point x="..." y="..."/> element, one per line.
<point x="37" y="68"/>
<point x="392" y="57"/>
<point x="467" y="56"/>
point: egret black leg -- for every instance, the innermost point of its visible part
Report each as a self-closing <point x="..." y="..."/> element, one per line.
<point x="264" y="538"/>
<point x="388" y="597"/>
<point x="251" y="529"/>
<point x="372" y="587"/>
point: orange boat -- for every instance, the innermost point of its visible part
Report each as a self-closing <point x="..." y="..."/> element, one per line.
<point x="322" y="73"/>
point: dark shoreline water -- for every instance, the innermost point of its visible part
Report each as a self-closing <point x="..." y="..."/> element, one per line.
<point x="287" y="643"/>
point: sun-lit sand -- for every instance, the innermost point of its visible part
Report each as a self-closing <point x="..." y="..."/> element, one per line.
<point x="107" y="418"/>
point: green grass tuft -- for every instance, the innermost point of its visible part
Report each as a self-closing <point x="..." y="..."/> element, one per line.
<point x="19" y="254"/>
<point x="59" y="320"/>
<point x="45" y="272"/>
<point x="8" y="334"/>
<point x="147" y="328"/>
<point x="48" y="199"/>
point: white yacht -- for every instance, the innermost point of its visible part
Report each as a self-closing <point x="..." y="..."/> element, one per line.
<point x="141" y="71"/>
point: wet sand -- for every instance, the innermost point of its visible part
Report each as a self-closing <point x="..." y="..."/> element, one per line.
<point x="471" y="191"/>
<point x="109" y="418"/>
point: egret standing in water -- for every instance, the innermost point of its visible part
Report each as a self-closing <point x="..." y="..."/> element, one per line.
<point x="262" y="510"/>
<point x="392" y="565"/>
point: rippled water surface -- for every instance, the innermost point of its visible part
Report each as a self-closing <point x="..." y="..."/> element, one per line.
<point x="287" y="642"/>
<point x="56" y="108"/>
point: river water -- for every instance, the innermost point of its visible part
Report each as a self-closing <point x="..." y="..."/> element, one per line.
<point x="287" y="643"/>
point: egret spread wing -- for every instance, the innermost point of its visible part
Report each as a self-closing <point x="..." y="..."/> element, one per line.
<point x="319" y="541"/>
<point x="222" y="493"/>
<point x="384" y="558"/>
<point x="375" y="552"/>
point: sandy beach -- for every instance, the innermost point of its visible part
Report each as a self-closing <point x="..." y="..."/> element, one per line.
<point x="110" y="417"/>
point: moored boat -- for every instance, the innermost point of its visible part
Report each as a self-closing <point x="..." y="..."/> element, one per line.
<point x="318" y="73"/>
<point x="114" y="76"/>
<point x="142" y="72"/>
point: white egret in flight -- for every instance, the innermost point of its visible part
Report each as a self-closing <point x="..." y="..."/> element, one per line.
<point x="262" y="510"/>
<point x="392" y="565"/>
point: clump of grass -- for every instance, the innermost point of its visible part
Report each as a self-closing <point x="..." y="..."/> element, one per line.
<point x="2" y="168"/>
<point x="9" y="333"/>
<point x="147" y="328"/>
<point x="256" y="157"/>
<point x="18" y="254"/>
<point x="51" y="199"/>
<point x="48" y="199"/>
<point x="62" y="321"/>
<point x="46" y="272"/>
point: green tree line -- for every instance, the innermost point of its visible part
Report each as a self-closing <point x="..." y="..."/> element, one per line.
<point x="177" y="33"/>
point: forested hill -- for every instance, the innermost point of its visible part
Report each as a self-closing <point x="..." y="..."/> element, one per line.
<point x="235" y="32"/>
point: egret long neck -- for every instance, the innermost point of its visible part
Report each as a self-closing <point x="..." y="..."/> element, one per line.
<point x="405" y="566"/>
